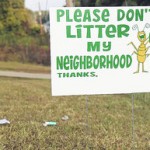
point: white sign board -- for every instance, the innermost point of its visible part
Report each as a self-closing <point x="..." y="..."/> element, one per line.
<point x="100" y="50"/>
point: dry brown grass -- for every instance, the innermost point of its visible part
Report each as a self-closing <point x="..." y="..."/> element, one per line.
<point x="28" y="103"/>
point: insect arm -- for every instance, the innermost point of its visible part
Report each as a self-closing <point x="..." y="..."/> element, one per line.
<point x="148" y="40"/>
<point x="147" y="55"/>
<point x="135" y="53"/>
<point x="147" y="48"/>
<point x="133" y="45"/>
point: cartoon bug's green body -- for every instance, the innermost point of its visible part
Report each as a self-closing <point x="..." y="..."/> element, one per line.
<point x="141" y="51"/>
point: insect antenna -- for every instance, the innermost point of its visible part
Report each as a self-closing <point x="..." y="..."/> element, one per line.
<point x="147" y="25"/>
<point x="135" y="27"/>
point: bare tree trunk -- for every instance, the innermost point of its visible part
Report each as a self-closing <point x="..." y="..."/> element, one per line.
<point x="70" y="3"/>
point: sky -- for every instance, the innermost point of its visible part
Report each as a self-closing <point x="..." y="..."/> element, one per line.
<point x="44" y="4"/>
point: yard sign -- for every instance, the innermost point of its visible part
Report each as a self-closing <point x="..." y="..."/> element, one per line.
<point x="100" y="50"/>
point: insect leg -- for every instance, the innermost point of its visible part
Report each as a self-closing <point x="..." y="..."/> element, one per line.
<point x="133" y="45"/>
<point x="138" y="68"/>
<point x="143" y="68"/>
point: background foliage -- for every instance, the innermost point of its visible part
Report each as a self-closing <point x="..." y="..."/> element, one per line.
<point x="20" y="37"/>
<point x="92" y="3"/>
<point x="20" y="31"/>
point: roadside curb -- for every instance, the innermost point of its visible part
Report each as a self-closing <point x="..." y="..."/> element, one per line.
<point x="25" y="75"/>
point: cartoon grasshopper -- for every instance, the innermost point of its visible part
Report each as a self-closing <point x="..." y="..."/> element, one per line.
<point x="141" y="51"/>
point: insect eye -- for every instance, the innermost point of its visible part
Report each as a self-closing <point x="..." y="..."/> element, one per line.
<point x="147" y="25"/>
<point x="135" y="27"/>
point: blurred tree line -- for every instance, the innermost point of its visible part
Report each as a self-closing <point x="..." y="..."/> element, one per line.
<point x="20" y="30"/>
<point x="20" y="34"/>
<point x="92" y="3"/>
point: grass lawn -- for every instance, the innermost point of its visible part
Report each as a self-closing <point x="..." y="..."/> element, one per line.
<point x="31" y="68"/>
<point x="28" y="103"/>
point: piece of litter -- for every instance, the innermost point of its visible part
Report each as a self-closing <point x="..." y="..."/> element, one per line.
<point x="83" y="124"/>
<point x="51" y="123"/>
<point x="4" y="121"/>
<point x="65" y="118"/>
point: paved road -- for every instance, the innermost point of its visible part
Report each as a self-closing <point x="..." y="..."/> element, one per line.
<point x="24" y="75"/>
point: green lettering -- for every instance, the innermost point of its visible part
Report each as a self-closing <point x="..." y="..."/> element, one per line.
<point x="93" y="46"/>
<point x="110" y="31"/>
<point x="66" y="63"/>
<point x="60" y="13"/>
<point x="100" y="30"/>
<point x="59" y="62"/>
<point x="89" y="62"/>
<point x="102" y="61"/>
<point x="116" y="61"/>
<point x="109" y="61"/>
<point x="106" y="46"/>
<point x="77" y="15"/>
<point x="122" y="61"/>
<point x="87" y="16"/>
<point x="130" y="15"/>
<point x="128" y="61"/>
<point x="120" y="14"/>
<point x="88" y="30"/>
<point x="68" y="19"/>
<point x="79" y="31"/>
<point x="139" y="15"/>
<point x="97" y="17"/>
<point x="76" y="62"/>
<point x="68" y="32"/>
<point x="96" y="62"/>
<point x="123" y="30"/>
<point x="105" y="15"/>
